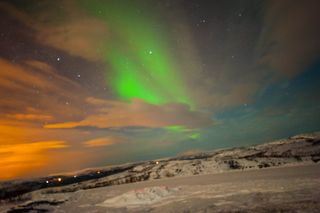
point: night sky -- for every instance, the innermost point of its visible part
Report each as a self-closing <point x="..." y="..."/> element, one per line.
<point x="88" y="83"/>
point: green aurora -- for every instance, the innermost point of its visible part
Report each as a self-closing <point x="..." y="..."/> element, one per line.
<point x="137" y="51"/>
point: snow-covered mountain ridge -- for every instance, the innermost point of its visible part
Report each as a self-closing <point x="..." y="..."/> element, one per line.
<point x="299" y="149"/>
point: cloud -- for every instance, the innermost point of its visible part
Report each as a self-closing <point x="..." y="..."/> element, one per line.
<point x="113" y="114"/>
<point x="79" y="37"/>
<point x="214" y="78"/>
<point x="20" y="159"/>
<point x="31" y="117"/>
<point x="28" y="150"/>
<point x="65" y="27"/>
<point x="290" y="40"/>
<point x="104" y="141"/>
<point x="25" y="90"/>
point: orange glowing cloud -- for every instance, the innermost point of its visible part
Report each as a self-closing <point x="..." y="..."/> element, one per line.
<point x="25" y="107"/>
<point x="22" y="159"/>
<point x="28" y="150"/>
<point x="105" y="141"/>
<point x="31" y="117"/>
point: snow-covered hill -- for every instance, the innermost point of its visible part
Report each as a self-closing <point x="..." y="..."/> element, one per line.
<point x="300" y="149"/>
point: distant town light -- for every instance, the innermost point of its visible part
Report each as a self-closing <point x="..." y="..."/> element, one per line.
<point x="98" y="172"/>
<point x="157" y="162"/>
<point x="47" y="181"/>
<point x="74" y="176"/>
<point x="59" y="179"/>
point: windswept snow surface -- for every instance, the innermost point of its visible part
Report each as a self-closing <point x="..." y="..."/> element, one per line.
<point x="139" y="197"/>
<point x="285" y="189"/>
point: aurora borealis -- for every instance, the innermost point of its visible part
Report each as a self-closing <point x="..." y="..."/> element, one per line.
<point x="139" y="56"/>
<point x="96" y="82"/>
